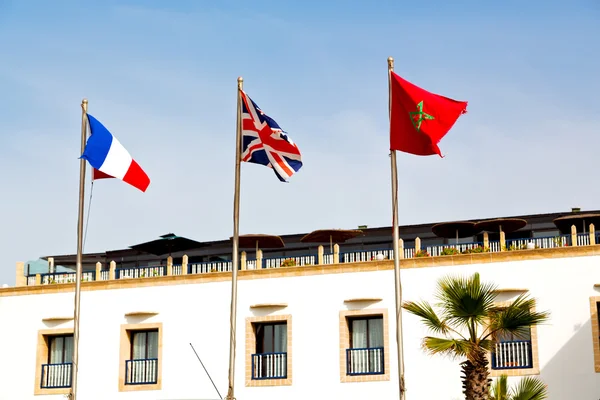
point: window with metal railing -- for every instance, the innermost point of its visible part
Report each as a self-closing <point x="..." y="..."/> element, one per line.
<point x="511" y="352"/>
<point x="270" y="359"/>
<point x="366" y="353"/>
<point x="58" y="372"/>
<point x="142" y="367"/>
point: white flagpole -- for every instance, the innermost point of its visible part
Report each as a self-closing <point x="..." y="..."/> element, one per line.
<point x="75" y="365"/>
<point x="235" y="244"/>
<point x="396" y="236"/>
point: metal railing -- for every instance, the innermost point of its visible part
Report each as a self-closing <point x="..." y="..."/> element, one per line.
<point x="141" y="372"/>
<point x="583" y="239"/>
<point x="367" y="255"/>
<point x="513" y="354"/>
<point x="269" y="366"/>
<point x="55" y="376"/>
<point x="140" y="272"/>
<point x="459" y="248"/>
<point x="279" y="262"/>
<point x="547" y="242"/>
<point x="210" y="266"/>
<point x="65" y="277"/>
<point x="367" y="361"/>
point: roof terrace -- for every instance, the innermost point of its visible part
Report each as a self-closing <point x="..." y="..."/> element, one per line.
<point x="171" y="255"/>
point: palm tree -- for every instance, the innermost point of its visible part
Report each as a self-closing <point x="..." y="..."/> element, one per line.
<point x="528" y="389"/>
<point x="469" y="323"/>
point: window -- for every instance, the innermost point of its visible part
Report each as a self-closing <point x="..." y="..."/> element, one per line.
<point x="54" y="361"/>
<point x="365" y="355"/>
<point x="57" y="372"/>
<point x="511" y="354"/>
<point x="364" y="348"/>
<point x="269" y="350"/>
<point x="270" y="359"/>
<point x="140" y="366"/>
<point x="595" y="322"/>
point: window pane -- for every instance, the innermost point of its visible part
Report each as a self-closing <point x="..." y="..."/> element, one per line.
<point x="376" y="332"/>
<point x="139" y="346"/>
<point x="260" y="338"/>
<point x="280" y="338"/>
<point x="359" y="334"/>
<point x="510" y="337"/>
<point x="56" y="350"/>
<point x="68" y="354"/>
<point x="268" y="344"/>
<point x="152" y="344"/>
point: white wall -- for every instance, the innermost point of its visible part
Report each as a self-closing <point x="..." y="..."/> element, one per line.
<point x="200" y="314"/>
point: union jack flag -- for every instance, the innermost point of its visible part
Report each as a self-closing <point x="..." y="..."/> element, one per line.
<point x="264" y="142"/>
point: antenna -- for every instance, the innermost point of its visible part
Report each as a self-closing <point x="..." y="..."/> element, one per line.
<point x="211" y="381"/>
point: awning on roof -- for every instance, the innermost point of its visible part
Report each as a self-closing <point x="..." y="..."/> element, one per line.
<point x="168" y="244"/>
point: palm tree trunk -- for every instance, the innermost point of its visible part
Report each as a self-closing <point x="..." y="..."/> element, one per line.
<point x="476" y="381"/>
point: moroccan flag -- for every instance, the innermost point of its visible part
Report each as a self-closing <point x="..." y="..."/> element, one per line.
<point x="420" y="119"/>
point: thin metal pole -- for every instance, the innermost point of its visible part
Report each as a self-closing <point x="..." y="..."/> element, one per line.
<point x="84" y="105"/>
<point x="396" y="235"/>
<point x="236" y="234"/>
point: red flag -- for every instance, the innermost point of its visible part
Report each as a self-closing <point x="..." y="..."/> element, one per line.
<point x="96" y="174"/>
<point x="420" y="119"/>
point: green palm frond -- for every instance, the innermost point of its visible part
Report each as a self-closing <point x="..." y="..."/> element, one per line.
<point x="450" y="347"/>
<point x="465" y="300"/>
<point x="516" y="318"/>
<point x="499" y="389"/>
<point x="428" y="315"/>
<point x="529" y="388"/>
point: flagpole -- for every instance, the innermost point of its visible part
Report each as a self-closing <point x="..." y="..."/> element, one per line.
<point x="396" y="236"/>
<point x="235" y="245"/>
<point x="73" y="396"/>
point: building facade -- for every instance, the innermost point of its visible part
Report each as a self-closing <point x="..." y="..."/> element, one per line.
<point x="321" y="329"/>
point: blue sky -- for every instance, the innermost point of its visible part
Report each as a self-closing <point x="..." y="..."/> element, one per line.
<point x="162" y="77"/>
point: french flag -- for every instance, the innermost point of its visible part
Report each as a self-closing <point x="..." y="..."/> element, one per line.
<point x="110" y="159"/>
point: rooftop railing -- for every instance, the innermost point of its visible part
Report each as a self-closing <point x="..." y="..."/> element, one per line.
<point x="321" y="258"/>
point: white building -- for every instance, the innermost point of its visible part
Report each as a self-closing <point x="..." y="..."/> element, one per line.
<point x="322" y="331"/>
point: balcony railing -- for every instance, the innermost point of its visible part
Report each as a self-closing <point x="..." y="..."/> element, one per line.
<point x="365" y="361"/>
<point x="269" y="366"/>
<point x="512" y="355"/>
<point x="141" y="372"/>
<point x="56" y="376"/>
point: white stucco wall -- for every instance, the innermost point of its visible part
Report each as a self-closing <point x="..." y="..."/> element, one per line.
<point x="199" y="314"/>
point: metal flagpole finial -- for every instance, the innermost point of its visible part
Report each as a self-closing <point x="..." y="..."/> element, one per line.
<point x="84" y="104"/>
<point x="240" y="82"/>
<point x="391" y="62"/>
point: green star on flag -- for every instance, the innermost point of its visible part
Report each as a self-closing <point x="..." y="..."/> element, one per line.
<point x="420" y="116"/>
